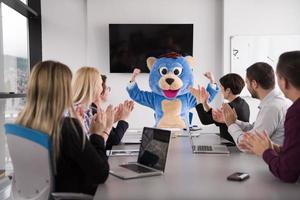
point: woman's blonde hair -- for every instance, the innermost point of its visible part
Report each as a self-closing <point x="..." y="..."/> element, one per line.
<point x="85" y="85"/>
<point x="48" y="97"/>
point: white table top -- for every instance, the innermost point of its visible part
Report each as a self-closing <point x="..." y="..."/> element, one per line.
<point x="200" y="176"/>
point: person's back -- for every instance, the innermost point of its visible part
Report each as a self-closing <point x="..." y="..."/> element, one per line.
<point x="231" y="86"/>
<point x="80" y="170"/>
<point x="78" y="164"/>
<point x="283" y="160"/>
<point x="242" y="110"/>
<point x="274" y="104"/>
<point x="123" y="111"/>
<point x="260" y="81"/>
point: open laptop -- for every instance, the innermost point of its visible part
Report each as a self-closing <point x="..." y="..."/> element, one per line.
<point x="152" y="156"/>
<point x="124" y="150"/>
<point x="200" y="146"/>
<point x="132" y="136"/>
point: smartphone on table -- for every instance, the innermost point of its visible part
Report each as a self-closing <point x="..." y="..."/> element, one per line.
<point x="238" y="176"/>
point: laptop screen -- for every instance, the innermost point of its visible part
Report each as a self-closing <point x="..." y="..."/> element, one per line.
<point x="154" y="148"/>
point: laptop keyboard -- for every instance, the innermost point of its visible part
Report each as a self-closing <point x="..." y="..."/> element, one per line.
<point x="204" y="148"/>
<point x="137" y="168"/>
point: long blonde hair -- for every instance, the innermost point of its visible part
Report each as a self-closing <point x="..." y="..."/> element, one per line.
<point x="48" y="97"/>
<point x="85" y="85"/>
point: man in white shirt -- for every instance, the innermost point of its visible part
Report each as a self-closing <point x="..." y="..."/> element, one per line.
<point x="260" y="81"/>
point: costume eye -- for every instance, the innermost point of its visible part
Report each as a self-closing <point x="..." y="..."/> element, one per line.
<point x="163" y="71"/>
<point x="177" y="71"/>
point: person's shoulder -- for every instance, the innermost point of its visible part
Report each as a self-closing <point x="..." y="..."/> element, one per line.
<point x="279" y="102"/>
<point x="277" y="105"/>
<point x="239" y="102"/>
<point x="294" y="110"/>
<point x="70" y="125"/>
<point x="67" y="121"/>
<point x="242" y="101"/>
<point x="244" y="104"/>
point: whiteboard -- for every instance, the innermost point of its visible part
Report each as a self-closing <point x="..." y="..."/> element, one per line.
<point x="247" y="50"/>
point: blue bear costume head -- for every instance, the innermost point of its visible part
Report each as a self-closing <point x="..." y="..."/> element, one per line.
<point x="170" y="75"/>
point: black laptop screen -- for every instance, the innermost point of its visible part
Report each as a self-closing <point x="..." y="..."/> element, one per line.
<point x="154" y="148"/>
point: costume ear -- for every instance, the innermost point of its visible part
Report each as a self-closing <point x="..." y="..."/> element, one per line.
<point x="190" y="60"/>
<point x="150" y="62"/>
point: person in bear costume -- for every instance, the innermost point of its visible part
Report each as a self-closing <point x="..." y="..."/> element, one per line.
<point x="170" y="79"/>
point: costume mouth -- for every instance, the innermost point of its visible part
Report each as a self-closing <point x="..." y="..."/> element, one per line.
<point x="170" y="93"/>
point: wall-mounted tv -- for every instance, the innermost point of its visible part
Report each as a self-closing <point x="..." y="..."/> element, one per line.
<point x="131" y="44"/>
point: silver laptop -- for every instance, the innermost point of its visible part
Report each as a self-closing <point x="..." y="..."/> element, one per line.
<point x="203" y="147"/>
<point x="124" y="150"/>
<point x="152" y="156"/>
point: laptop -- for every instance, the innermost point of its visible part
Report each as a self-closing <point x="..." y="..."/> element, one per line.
<point x="132" y="136"/>
<point x="201" y="147"/>
<point x="124" y="150"/>
<point x="152" y="156"/>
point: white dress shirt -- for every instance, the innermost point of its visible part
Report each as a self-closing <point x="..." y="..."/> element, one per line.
<point x="270" y="118"/>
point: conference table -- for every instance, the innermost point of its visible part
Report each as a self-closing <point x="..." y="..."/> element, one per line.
<point x="5" y="187"/>
<point x="199" y="176"/>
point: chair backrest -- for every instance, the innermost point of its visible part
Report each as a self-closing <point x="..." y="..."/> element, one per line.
<point x="30" y="153"/>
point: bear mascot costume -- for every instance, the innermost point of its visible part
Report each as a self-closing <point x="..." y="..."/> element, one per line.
<point x="170" y="78"/>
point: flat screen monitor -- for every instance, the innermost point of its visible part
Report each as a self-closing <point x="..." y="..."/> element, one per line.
<point x="131" y="44"/>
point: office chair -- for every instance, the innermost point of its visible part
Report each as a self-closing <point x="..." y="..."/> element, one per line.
<point x="30" y="151"/>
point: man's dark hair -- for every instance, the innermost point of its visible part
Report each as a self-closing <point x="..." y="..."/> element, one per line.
<point x="263" y="74"/>
<point x="289" y="67"/>
<point x="234" y="82"/>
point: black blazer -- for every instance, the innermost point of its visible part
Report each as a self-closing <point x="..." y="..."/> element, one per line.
<point x="116" y="133"/>
<point x="242" y="110"/>
<point x="80" y="169"/>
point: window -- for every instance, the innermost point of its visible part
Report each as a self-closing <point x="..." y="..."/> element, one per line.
<point x="20" y="49"/>
<point x="15" y="67"/>
<point x="20" y="44"/>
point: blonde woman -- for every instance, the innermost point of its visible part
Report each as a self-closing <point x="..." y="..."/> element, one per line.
<point x="123" y="111"/>
<point x="80" y="164"/>
<point x="87" y="86"/>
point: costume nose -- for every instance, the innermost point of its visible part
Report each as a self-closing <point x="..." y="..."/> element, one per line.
<point x="169" y="80"/>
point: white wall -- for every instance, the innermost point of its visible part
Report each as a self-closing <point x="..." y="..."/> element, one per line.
<point x="76" y="32"/>
<point x="206" y="15"/>
<point x="258" y="17"/>
<point x="64" y="31"/>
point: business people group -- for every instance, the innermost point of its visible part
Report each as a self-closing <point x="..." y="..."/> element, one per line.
<point x="70" y="110"/>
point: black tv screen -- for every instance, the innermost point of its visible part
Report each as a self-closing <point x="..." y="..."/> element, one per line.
<point x="131" y="44"/>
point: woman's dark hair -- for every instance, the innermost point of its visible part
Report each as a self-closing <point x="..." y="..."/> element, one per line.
<point x="289" y="67"/>
<point x="234" y="82"/>
<point x="263" y="74"/>
<point x="103" y="83"/>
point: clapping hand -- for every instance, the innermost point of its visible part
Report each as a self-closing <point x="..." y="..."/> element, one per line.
<point x="200" y="94"/>
<point x="229" y="114"/>
<point x="256" y="143"/>
<point x="218" y="116"/>
<point x="98" y="124"/>
<point x="128" y="106"/>
<point x="110" y="113"/>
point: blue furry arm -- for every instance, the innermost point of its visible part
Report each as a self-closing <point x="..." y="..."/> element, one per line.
<point x="139" y="96"/>
<point x="212" y="92"/>
<point x="192" y="101"/>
